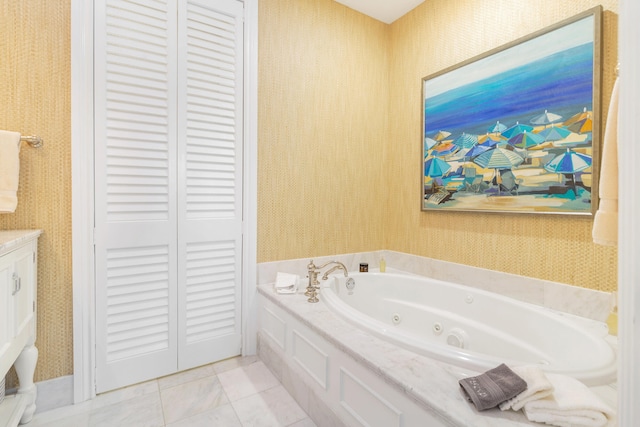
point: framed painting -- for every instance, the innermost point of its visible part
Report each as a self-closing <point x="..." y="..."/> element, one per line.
<point x="517" y="129"/>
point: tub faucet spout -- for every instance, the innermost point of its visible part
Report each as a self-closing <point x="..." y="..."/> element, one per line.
<point x="338" y="266"/>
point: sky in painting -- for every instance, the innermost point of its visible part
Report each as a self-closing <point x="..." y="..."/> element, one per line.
<point x="553" y="70"/>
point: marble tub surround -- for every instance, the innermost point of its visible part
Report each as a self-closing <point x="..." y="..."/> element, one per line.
<point x="561" y="297"/>
<point x="430" y="384"/>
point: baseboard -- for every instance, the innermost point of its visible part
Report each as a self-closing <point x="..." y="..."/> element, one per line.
<point x="54" y="393"/>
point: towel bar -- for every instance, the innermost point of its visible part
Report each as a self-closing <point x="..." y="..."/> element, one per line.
<point x="34" y="141"/>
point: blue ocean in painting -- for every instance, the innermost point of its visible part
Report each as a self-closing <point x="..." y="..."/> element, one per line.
<point x="560" y="83"/>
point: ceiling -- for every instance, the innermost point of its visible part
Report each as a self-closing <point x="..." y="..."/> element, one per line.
<point x="386" y="11"/>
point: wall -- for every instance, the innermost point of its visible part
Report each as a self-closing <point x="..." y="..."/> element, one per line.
<point x="35" y="98"/>
<point x="322" y="127"/>
<point x="442" y="33"/>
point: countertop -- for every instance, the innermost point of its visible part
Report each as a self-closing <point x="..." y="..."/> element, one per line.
<point x="10" y="239"/>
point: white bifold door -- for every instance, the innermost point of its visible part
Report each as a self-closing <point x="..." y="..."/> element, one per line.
<point x="168" y="78"/>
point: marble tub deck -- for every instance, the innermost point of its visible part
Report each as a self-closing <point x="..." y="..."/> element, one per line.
<point x="429" y="383"/>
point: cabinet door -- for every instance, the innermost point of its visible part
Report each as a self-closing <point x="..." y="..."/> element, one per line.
<point x="6" y="313"/>
<point x="24" y="298"/>
<point x="16" y="303"/>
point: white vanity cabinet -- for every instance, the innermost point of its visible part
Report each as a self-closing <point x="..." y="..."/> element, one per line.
<point x="18" y="266"/>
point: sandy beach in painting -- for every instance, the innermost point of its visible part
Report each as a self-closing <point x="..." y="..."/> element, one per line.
<point x="529" y="184"/>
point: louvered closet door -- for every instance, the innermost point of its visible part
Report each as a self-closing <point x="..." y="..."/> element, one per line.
<point x="135" y="191"/>
<point x="168" y="186"/>
<point x="210" y="180"/>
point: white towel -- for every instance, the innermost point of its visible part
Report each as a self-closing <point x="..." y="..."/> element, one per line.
<point x="538" y="387"/>
<point x="571" y="404"/>
<point x="605" y="223"/>
<point x="9" y="170"/>
<point x="286" y="283"/>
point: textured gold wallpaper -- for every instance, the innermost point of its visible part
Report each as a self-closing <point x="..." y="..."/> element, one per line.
<point x="35" y="98"/>
<point x="323" y="125"/>
<point x="339" y="170"/>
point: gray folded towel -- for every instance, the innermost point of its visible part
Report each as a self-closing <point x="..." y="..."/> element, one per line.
<point x="490" y="389"/>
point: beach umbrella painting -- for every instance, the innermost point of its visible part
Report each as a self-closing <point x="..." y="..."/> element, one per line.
<point x="429" y="143"/>
<point x="545" y="118"/>
<point x="569" y="163"/>
<point x="578" y="117"/>
<point x="581" y="126"/>
<point x="477" y="150"/>
<point x="554" y="133"/>
<point x="466" y="140"/>
<point x="490" y="137"/>
<point x="526" y="140"/>
<point x="442" y="134"/>
<point x="444" y="148"/>
<point x="516" y="129"/>
<point x="490" y="142"/>
<point x="435" y="167"/>
<point x="498" y="158"/>
<point x="497" y="128"/>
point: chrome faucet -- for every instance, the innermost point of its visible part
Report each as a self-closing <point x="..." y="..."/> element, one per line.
<point x="314" y="284"/>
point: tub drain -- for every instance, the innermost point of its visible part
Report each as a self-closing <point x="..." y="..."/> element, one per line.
<point x="396" y="318"/>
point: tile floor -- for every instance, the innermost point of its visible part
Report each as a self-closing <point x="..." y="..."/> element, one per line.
<point x="238" y="392"/>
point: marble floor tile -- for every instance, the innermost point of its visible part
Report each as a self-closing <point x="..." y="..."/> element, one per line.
<point x="52" y="416"/>
<point x="271" y="408"/>
<point x="46" y="419"/>
<point x="186" y="376"/>
<point x="247" y="380"/>
<point x="223" y="416"/>
<point x="234" y="362"/>
<point x="305" y="422"/>
<point x="237" y="392"/>
<point x="126" y="393"/>
<point x="192" y="398"/>
<point x="141" y="411"/>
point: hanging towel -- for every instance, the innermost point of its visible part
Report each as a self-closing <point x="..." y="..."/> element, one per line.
<point x="571" y="404"/>
<point x="605" y="223"/>
<point x="538" y="386"/>
<point x="9" y="170"/>
<point x="493" y="387"/>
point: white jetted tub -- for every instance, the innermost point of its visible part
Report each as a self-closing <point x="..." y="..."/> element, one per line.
<point x="470" y="328"/>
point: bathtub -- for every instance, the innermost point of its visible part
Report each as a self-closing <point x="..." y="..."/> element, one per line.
<point x="472" y="329"/>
